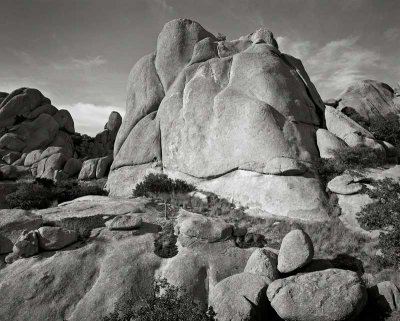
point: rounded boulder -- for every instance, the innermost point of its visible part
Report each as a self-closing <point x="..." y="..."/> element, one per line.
<point x="296" y="251"/>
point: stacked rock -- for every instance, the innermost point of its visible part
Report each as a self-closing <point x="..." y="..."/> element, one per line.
<point x="291" y="285"/>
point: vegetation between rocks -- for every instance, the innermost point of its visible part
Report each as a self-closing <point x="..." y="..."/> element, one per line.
<point x="349" y="158"/>
<point x="387" y="129"/>
<point x="41" y="193"/>
<point x="165" y="243"/>
<point x="384" y="214"/>
<point x="165" y="303"/>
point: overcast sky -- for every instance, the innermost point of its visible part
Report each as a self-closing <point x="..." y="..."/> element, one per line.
<point x="79" y="52"/>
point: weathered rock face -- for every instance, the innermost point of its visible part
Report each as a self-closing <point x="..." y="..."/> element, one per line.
<point x="206" y="108"/>
<point x="369" y="99"/>
<point x="324" y="296"/>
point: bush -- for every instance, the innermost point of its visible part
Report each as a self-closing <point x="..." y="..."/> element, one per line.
<point x="387" y="129"/>
<point x="43" y="193"/>
<point x="71" y="189"/>
<point x="161" y="184"/>
<point x="165" y="243"/>
<point x="349" y="158"/>
<point x="384" y="214"/>
<point x="165" y="303"/>
<point x="30" y="196"/>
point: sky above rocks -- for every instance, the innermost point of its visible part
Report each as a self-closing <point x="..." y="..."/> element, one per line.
<point x="79" y="52"/>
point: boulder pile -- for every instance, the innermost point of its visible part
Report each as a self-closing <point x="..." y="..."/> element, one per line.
<point x="37" y="138"/>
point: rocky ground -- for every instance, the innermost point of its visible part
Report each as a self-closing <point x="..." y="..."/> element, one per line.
<point x="70" y="277"/>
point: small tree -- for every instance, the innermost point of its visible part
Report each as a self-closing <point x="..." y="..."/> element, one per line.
<point x="221" y="37"/>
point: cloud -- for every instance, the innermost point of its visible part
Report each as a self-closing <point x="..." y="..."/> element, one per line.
<point x="392" y="34"/>
<point x="23" y="57"/>
<point x="89" y="118"/>
<point x="336" y="64"/>
<point x="80" y="64"/>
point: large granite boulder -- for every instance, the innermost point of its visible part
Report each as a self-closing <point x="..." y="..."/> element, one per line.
<point x="369" y="99"/>
<point x="328" y="143"/>
<point x="19" y="102"/>
<point x="327" y="295"/>
<point x="211" y="114"/>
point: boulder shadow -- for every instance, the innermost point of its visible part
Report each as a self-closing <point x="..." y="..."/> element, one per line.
<point x="347" y="262"/>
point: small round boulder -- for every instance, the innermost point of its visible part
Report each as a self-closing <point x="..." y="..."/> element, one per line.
<point x="296" y="251"/>
<point x="263" y="262"/>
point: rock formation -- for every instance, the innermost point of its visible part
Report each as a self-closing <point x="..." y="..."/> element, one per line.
<point x="38" y="139"/>
<point x="222" y="114"/>
<point x="368" y="99"/>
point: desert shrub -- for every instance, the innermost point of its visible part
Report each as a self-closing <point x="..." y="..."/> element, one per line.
<point x="165" y="243"/>
<point x="387" y="129"/>
<point x="349" y="158"/>
<point x="44" y="182"/>
<point x="161" y="183"/>
<point x="71" y="189"/>
<point x="165" y="303"/>
<point x="251" y="240"/>
<point x="30" y="196"/>
<point x="43" y="193"/>
<point x="384" y="214"/>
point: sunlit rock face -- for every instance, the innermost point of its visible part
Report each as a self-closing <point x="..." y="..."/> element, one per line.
<point x="215" y="111"/>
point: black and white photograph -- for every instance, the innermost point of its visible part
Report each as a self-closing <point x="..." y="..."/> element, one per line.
<point x="199" y="160"/>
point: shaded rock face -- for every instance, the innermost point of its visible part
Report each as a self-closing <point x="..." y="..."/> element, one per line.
<point x="369" y="99"/>
<point x="206" y="108"/>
